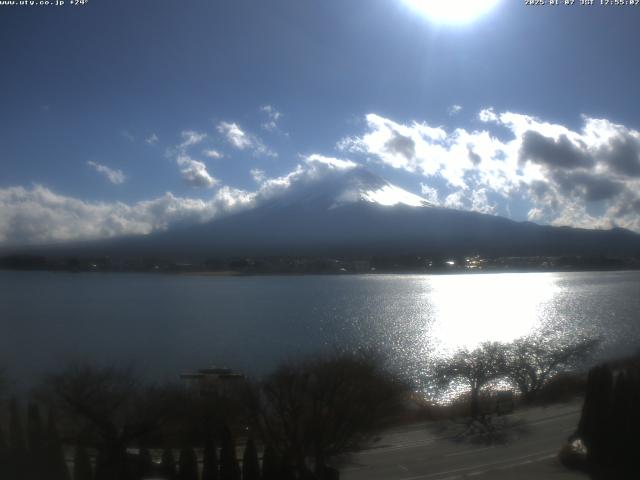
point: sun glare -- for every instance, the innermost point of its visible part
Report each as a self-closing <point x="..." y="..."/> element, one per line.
<point x="452" y="11"/>
<point x="468" y="311"/>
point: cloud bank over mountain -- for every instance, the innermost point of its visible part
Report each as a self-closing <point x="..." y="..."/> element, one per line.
<point x="587" y="176"/>
<point x="38" y="215"/>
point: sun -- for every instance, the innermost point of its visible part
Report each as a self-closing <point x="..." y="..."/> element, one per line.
<point x="456" y="12"/>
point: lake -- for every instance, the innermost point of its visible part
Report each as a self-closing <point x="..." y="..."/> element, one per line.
<point x="167" y="324"/>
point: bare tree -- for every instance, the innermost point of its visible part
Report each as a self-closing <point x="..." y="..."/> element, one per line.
<point x="476" y="368"/>
<point x="201" y="416"/>
<point x="533" y="360"/>
<point x="111" y="406"/>
<point x="324" y="407"/>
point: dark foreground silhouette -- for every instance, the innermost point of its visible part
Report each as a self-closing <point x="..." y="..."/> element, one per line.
<point x="108" y="425"/>
<point x="607" y="440"/>
<point x="104" y="423"/>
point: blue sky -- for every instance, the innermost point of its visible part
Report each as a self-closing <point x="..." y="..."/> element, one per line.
<point x="127" y="116"/>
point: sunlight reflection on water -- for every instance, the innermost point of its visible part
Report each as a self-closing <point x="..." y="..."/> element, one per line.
<point x="165" y="324"/>
<point x="468" y="310"/>
<point x="465" y="311"/>
<point x="418" y="319"/>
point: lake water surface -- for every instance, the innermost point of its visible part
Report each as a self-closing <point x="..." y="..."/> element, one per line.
<point x="166" y="324"/>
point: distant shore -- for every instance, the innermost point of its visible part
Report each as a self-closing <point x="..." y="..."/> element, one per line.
<point x="234" y="273"/>
<point x="324" y="265"/>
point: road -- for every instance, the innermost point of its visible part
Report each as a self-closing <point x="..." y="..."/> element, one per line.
<point x="417" y="453"/>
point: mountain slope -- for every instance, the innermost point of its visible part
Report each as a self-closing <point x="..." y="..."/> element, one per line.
<point x="357" y="213"/>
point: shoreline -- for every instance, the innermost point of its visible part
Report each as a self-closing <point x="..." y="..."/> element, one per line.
<point x="235" y="273"/>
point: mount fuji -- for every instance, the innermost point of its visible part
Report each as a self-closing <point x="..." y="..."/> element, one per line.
<point x="354" y="212"/>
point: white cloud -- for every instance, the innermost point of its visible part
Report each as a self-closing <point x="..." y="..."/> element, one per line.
<point x="430" y="194"/>
<point x="235" y="135"/>
<point x="312" y="168"/>
<point x="487" y="115"/>
<point x="273" y="116"/>
<point x="316" y="161"/>
<point x="191" y="138"/>
<point x="454" y="110"/>
<point x="562" y="173"/>
<point x="152" y="139"/>
<point x="116" y="177"/>
<point x="271" y="111"/>
<point x="480" y="202"/>
<point x="455" y="200"/>
<point x="212" y="153"/>
<point x="258" y="175"/>
<point x="241" y="140"/>
<point x="37" y="215"/>
<point x="194" y="172"/>
<point x="270" y="126"/>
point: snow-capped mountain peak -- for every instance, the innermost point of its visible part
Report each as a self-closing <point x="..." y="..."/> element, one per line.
<point x="390" y="195"/>
<point x="360" y="185"/>
<point x="349" y="186"/>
